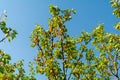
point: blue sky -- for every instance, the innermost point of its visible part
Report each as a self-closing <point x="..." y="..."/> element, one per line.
<point x="23" y="15"/>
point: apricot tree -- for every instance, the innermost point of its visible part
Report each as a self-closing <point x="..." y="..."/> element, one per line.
<point x="91" y="56"/>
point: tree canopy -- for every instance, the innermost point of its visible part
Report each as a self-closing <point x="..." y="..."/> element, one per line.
<point x="91" y="56"/>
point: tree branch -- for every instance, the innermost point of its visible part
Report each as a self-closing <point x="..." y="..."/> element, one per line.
<point x="116" y="68"/>
<point x="40" y="48"/>
<point x="63" y="59"/>
<point x="52" y="39"/>
<point x="74" y="67"/>
<point x="6" y="35"/>
<point x="3" y="39"/>
<point x="41" y="51"/>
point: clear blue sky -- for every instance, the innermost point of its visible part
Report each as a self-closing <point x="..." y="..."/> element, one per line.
<point x="23" y="15"/>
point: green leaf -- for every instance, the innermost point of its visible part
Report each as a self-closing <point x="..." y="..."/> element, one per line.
<point x="117" y="26"/>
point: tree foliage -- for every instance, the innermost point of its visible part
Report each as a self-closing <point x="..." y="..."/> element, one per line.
<point x="116" y="5"/>
<point x="92" y="55"/>
<point x="10" y="34"/>
<point x="9" y="71"/>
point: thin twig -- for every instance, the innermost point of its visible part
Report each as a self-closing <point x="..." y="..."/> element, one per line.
<point x="3" y="39"/>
